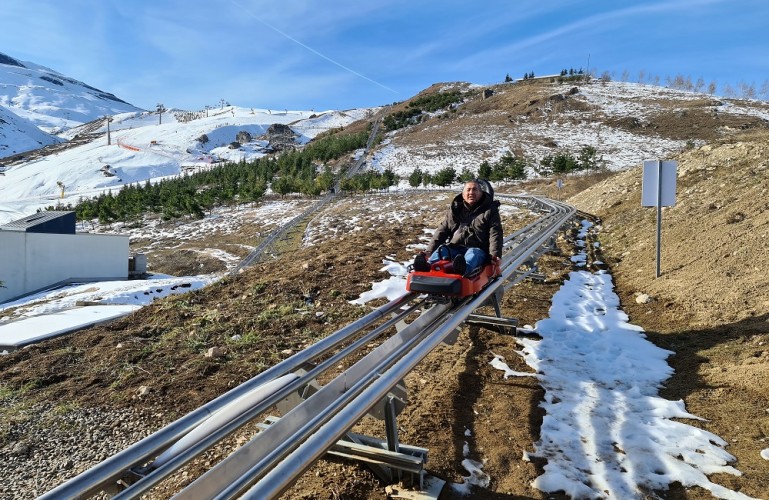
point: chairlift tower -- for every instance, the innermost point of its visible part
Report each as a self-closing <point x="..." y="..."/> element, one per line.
<point x="109" y="138"/>
<point x="160" y="110"/>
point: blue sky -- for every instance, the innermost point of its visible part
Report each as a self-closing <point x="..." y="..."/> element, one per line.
<point x="340" y="54"/>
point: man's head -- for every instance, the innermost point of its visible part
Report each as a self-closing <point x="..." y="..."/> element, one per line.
<point x="472" y="193"/>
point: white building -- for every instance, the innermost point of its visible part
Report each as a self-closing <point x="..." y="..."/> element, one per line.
<point x="43" y="250"/>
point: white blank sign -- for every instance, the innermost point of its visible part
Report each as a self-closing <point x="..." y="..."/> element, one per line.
<point x="659" y="179"/>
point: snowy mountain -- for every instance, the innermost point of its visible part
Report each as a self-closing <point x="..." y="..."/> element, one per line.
<point x="624" y="122"/>
<point x="18" y="135"/>
<point x="48" y="100"/>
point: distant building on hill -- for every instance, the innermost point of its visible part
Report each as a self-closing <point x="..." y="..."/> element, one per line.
<point x="43" y="250"/>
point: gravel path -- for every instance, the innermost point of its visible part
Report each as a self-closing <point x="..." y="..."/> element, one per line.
<point x="46" y="445"/>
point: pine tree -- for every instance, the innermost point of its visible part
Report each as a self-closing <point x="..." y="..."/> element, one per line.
<point x="484" y="170"/>
<point x="415" y="179"/>
<point x="445" y="176"/>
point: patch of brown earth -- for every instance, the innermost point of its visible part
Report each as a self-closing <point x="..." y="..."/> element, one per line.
<point x="156" y="359"/>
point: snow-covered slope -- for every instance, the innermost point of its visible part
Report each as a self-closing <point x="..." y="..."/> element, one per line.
<point x="142" y="148"/>
<point x="18" y="135"/>
<point x="625" y="122"/>
<point x="50" y="100"/>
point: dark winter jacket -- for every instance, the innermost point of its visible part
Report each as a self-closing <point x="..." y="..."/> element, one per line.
<point x="478" y="227"/>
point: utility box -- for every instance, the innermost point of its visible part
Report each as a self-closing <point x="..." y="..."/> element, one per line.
<point x="137" y="265"/>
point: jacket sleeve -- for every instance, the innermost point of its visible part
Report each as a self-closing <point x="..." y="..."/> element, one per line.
<point x="441" y="233"/>
<point x="496" y="237"/>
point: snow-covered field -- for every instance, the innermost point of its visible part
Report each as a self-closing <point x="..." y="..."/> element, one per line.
<point x="617" y="149"/>
<point x="141" y="149"/>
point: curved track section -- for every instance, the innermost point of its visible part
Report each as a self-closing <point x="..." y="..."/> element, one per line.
<point x="268" y="464"/>
<point x="279" y="233"/>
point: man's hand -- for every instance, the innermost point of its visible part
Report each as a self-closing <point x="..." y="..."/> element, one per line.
<point x="496" y="261"/>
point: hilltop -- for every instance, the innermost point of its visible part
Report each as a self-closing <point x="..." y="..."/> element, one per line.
<point x="624" y="123"/>
<point x="118" y="382"/>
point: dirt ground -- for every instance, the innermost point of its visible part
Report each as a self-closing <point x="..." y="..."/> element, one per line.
<point x="710" y="304"/>
<point x="720" y="348"/>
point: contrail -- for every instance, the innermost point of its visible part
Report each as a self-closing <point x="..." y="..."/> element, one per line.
<point x="286" y="35"/>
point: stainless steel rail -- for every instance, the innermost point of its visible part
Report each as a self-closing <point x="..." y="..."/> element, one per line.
<point x="256" y="253"/>
<point x="275" y="457"/>
<point x="235" y="473"/>
<point x="138" y="454"/>
<point x="278" y="233"/>
<point x="270" y="482"/>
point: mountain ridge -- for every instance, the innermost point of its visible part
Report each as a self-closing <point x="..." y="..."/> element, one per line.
<point x="48" y="100"/>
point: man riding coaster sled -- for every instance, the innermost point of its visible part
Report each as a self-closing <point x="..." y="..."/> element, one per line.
<point x="470" y="234"/>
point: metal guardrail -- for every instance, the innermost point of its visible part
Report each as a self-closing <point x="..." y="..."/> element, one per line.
<point x="270" y="478"/>
<point x="275" y="457"/>
<point x="137" y="455"/>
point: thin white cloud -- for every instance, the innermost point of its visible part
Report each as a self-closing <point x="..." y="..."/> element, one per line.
<point x="173" y="48"/>
<point x="591" y="24"/>
<point x="307" y="47"/>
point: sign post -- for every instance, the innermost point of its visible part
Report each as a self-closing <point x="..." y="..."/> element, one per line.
<point x="659" y="190"/>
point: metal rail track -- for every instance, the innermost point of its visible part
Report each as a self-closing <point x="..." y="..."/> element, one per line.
<point x="280" y="232"/>
<point x="277" y="234"/>
<point x="282" y="451"/>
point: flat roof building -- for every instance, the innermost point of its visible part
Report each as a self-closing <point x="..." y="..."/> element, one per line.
<point x="43" y="250"/>
<point x="51" y="222"/>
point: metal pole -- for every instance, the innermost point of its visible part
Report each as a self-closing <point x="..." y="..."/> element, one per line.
<point x="391" y="432"/>
<point x="659" y="213"/>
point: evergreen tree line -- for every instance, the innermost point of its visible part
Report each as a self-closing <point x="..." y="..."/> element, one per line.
<point x="191" y="195"/>
<point x="510" y="167"/>
<point x="172" y="198"/>
<point x="442" y="177"/>
<point x="570" y="75"/>
<point x="564" y="162"/>
<point x="741" y="89"/>
<point x="565" y="75"/>
<point x="369" y="180"/>
<point x="415" y="110"/>
<point x="572" y="72"/>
